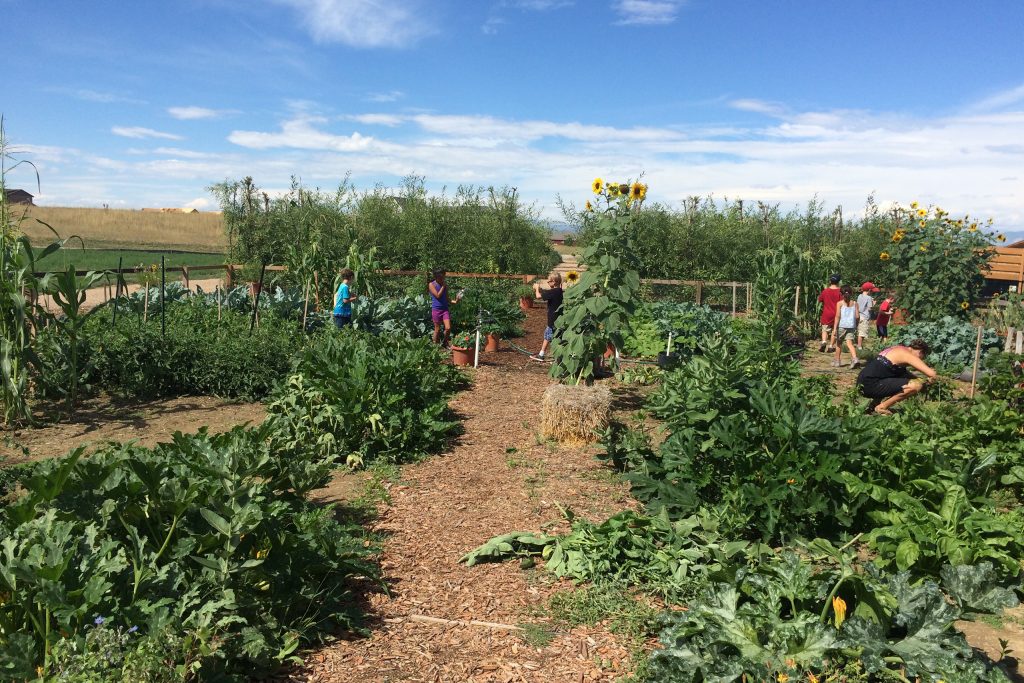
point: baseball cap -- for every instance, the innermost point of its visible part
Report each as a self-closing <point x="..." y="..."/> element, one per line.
<point x="869" y="286"/>
<point x="834" y="279"/>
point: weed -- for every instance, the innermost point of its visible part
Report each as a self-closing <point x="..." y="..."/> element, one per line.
<point x="536" y="635"/>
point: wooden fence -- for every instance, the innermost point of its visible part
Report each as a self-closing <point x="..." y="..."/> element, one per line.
<point x="1007" y="265"/>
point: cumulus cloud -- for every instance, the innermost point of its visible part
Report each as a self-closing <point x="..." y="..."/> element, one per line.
<point x="192" y="113"/>
<point x="383" y="97"/>
<point x="139" y="132"/>
<point x="647" y="12"/>
<point x="364" y="23"/>
<point x="301" y="133"/>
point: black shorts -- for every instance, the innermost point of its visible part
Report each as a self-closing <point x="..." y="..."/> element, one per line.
<point x="882" y="387"/>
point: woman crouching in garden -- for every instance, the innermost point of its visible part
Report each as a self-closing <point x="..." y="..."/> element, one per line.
<point x="887" y="379"/>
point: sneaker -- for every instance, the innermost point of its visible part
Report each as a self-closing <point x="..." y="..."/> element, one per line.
<point x="537" y="358"/>
<point x="821" y="349"/>
<point x="854" y="363"/>
<point x="835" y="364"/>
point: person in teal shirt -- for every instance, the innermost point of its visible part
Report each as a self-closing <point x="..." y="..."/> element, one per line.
<point x="343" y="300"/>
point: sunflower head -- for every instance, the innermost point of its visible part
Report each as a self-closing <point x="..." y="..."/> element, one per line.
<point x="898" y="236"/>
<point x="637" y="191"/>
<point x="613" y="189"/>
<point x="913" y="205"/>
<point x="588" y="206"/>
<point x="922" y="223"/>
<point x="1000" y="237"/>
<point x="572" y="277"/>
<point x="923" y="247"/>
<point x="964" y="305"/>
<point x="973" y="227"/>
<point x="597" y="185"/>
<point x="884" y="256"/>
<point x="623" y="189"/>
<point x="922" y="212"/>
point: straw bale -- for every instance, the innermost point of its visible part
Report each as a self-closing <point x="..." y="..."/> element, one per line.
<point x="572" y="414"/>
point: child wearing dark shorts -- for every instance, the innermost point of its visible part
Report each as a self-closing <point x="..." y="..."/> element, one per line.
<point x="553" y="296"/>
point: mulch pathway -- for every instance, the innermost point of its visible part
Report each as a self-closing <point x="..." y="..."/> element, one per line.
<point x="450" y="504"/>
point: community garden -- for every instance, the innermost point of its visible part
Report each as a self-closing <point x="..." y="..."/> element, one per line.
<point x="735" y="516"/>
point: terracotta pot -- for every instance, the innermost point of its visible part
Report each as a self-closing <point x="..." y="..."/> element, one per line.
<point x="254" y="289"/>
<point x="609" y="351"/>
<point x="525" y="303"/>
<point x="463" y="356"/>
<point x="493" y="343"/>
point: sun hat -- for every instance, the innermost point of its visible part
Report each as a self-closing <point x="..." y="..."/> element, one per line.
<point x="869" y="286"/>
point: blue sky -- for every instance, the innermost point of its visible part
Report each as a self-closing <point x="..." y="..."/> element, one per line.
<point x="147" y="103"/>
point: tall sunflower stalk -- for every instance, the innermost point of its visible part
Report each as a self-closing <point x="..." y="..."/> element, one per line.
<point x="597" y="309"/>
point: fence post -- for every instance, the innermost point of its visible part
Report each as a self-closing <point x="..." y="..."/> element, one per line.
<point x="734" y="299"/>
<point x="1020" y="342"/>
<point x="163" y="295"/>
<point x="700" y="292"/>
<point x="184" y="272"/>
<point x="1009" y="340"/>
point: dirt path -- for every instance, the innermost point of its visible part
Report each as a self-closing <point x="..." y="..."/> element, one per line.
<point x="500" y="477"/>
<point x="101" y="419"/>
<point x="98" y="295"/>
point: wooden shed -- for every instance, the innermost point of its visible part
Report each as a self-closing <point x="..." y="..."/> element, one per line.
<point x="1006" y="268"/>
<point x="18" y="197"/>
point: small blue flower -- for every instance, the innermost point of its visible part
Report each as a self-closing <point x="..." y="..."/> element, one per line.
<point x="133" y="629"/>
<point x="98" y="621"/>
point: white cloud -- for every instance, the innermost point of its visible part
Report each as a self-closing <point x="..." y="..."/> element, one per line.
<point x="300" y="133"/>
<point x="1006" y="98"/>
<point x="758" y="106"/>
<point x="193" y="113"/>
<point x="140" y="132"/>
<point x="392" y="96"/>
<point x="390" y="120"/>
<point x="647" y="12"/>
<point x="365" y="23"/>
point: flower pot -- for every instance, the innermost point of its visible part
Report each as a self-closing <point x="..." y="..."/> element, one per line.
<point x="463" y="356"/>
<point x="254" y="288"/>
<point x="609" y="351"/>
<point x="493" y="342"/>
<point x="525" y="303"/>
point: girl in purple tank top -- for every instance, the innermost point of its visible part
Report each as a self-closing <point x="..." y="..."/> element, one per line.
<point x="439" y="306"/>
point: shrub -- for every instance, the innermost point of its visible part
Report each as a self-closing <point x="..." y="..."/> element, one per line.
<point x="355" y="398"/>
<point x="211" y="537"/>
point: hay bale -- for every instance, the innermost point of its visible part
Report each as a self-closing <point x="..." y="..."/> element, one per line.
<point x="571" y="414"/>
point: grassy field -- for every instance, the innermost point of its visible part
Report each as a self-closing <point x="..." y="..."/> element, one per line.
<point x="123" y="228"/>
<point x="107" y="259"/>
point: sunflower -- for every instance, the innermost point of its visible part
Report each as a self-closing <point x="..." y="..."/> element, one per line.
<point x="637" y="191"/>
<point x="964" y="305"/>
<point x="1000" y="237"/>
<point x="588" y="206"/>
<point x="973" y="227"/>
<point x="613" y="189"/>
<point x="572" y="277"/>
<point x="898" y="236"/>
<point x="922" y="212"/>
<point x="922" y="223"/>
<point x="913" y="205"/>
<point x="811" y="678"/>
<point x="884" y="256"/>
<point x="597" y="185"/>
<point x="923" y="247"/>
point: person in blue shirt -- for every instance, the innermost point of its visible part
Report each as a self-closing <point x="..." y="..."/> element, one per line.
<point x="343" y="300"/>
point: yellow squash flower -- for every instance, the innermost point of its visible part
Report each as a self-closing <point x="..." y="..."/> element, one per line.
<point x="839" y="607"/>
<point x="597" y="185"/>
<point x="884" y="256"/>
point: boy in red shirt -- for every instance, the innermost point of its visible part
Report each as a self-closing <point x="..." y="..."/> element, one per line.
<point x="829" y="297"/>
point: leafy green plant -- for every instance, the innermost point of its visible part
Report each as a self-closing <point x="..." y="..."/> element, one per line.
<point x="937" y="261"/>
<point x="211" y="536"/>
<point x="952" y="341"/>
<point x="463" y="340"/>
<point x="361" y="398"/>
<point x="786" y="620"/>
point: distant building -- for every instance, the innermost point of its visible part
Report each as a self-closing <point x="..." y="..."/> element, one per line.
<point x="1005" y="270"/>
<point x="17" y="197"/>
<point x="172" y="210"/>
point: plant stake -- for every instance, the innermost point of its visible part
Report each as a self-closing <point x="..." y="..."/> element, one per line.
<point x="668" y="349"/>
<point x="117" y="289"/>
<point x="479" y="322"/>
<point x="256" y="299"/>
<point x="163" y="286"/>
<point x="977" y="355"/>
